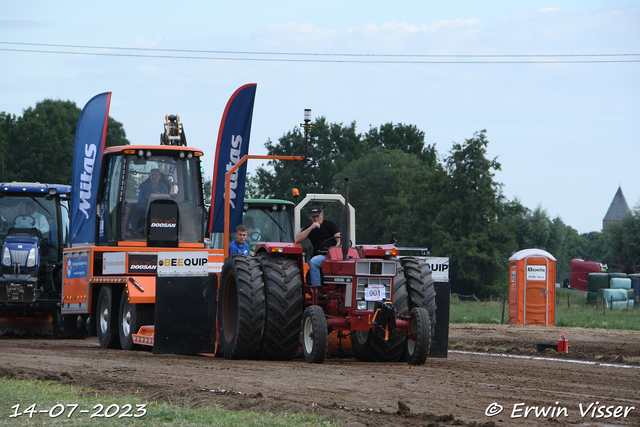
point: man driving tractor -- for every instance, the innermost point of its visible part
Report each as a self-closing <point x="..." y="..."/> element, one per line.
<point x="321" y="233"/>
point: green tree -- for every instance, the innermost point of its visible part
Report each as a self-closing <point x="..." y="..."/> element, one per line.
<point x="595" y="247"/>
<point x="208" y="183"/>
<point x="331" y="147"/>
<point x="470" y="227"/>
<point x="375" y="182"/>
<point x="455" y="207"/>
<point x="623" y="243"/>
<point x="404" y="138"/>
<point x="7" y="124"/>
<point x="533" y="229"/>
<point x="39" y="145"/>
<point x="116" y="134"/>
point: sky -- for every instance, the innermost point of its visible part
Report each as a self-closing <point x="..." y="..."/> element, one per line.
<point x="555" y="83"/>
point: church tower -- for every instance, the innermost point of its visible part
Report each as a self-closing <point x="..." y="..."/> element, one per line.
<point x="617" y="209"/>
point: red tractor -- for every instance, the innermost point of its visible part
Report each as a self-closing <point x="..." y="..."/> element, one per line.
<point x="368" y="297"/>
<point x="384" y="304"/>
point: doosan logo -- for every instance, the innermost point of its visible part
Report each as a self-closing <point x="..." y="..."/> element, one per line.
<point x="142" y="267"/>
<point x="143" y="263"/>
<point x="163" y="223"/>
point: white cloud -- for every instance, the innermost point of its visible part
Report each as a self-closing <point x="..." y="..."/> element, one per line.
<point x="549" y="9"/>
<point x="403" y="27"/>
<point x="388" y="37"/>
<point x="456" y="23"/>
<point x="293" y="34"/>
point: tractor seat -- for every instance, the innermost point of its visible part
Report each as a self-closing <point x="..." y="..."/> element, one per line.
<point x="336" y="254"/>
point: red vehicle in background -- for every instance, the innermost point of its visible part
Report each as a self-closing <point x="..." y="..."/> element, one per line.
<point x="579" y="270"/>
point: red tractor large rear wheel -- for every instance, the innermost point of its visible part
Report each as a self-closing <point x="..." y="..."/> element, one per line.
<point x="241" y="307"/>
<point x="420" y="285"/>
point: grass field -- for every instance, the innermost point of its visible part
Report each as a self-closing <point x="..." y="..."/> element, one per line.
<point x="572" y="310"/>
<point x="63" y="405"/>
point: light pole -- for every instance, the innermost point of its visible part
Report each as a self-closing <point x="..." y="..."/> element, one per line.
<point x="307" y="127"/>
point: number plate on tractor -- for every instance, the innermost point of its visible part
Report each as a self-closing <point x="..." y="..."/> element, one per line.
<point x="374" y="293"/>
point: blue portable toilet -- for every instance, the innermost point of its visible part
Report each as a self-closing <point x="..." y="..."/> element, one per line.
<point x="636" y="290"/>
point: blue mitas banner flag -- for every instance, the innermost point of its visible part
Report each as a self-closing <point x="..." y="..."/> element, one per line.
<point x="91" y="135"/>
<point x="233" y="144"/>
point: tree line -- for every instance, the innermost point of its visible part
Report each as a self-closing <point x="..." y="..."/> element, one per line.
<point x="38" y="146"/>
<point x="449" y="203"/>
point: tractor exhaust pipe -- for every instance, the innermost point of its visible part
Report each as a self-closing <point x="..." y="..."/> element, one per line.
<point x="346" y="232"/>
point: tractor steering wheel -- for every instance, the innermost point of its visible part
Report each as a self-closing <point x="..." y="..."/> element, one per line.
<point x="148" y="191"/>
<point x="256" y="237"/>
<point x="22" y="219"/>
<point x="325" y="250"/>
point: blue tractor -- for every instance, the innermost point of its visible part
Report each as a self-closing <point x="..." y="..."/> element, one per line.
<point x="34" y="228"/>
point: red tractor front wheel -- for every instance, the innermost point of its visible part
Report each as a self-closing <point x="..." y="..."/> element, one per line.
<point x="419" y="340"/>
<point x="314" y="334"/>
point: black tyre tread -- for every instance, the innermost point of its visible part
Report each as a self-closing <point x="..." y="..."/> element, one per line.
<point x="420" y="283"/>
<point x="401" y="296"/>
<point x="111" y="338"/>
<point x="71" y="330"/>
<point x="283" y="307"/>
<point x="146" y="314"/>
<point x="245" y="343"/>
<point x="360" y="345"/>
<point x="393" y="348"/>
<point x="141" y="314"/>
<point x="419" y="320"/>
<point x="56" y="322"/>
<point x="318" y="352"/>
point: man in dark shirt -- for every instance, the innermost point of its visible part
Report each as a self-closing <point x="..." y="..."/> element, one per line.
<point x="322" y="234"/>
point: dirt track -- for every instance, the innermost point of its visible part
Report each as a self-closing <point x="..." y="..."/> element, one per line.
<point x="454" y="391"/>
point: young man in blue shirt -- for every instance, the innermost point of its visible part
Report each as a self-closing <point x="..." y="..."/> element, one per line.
<point x="239" y="246"/>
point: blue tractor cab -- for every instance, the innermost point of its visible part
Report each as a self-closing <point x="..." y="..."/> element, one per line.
<point x="34" y="228"/>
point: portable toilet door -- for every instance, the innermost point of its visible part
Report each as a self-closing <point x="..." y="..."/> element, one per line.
<point x="532" y="288"/>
